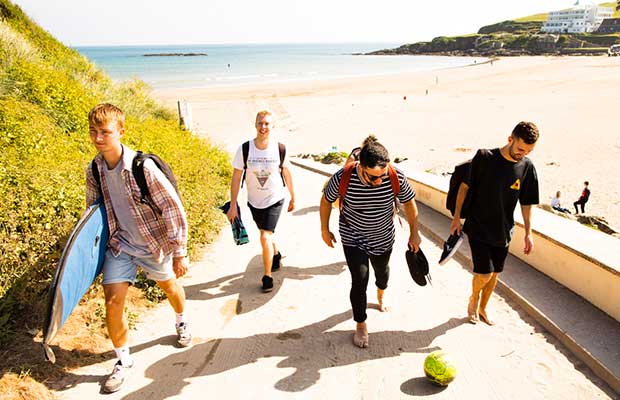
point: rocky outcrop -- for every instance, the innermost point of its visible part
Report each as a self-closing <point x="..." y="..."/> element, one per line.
<point x="599" y="223"/>
<point x="174" y="54"/>
<point x="509" y="38"/>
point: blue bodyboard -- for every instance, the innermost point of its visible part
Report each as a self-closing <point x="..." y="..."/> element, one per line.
<point x="79" y="265"/>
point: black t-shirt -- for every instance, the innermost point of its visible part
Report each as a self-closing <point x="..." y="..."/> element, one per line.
<point x="497" y="184"/>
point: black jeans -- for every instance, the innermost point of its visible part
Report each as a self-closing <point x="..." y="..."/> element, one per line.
<point x="583" y="206"/>
<point x="358" y="262"/>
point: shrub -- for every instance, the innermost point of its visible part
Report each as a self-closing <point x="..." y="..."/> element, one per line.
<point x="46" y="91"/>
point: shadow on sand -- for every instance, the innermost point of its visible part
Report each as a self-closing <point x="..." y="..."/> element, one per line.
<point x="247" y="284"/>
<point x="308" y="349"/>
<point x="78" y="358"/>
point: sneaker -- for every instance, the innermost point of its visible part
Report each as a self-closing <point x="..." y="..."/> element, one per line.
<point x="276" y="264"/>
<point x="184" y="337"/>
<point x="450" y="246"/>
<point x="267" y="284"/>
<point x="119" y="375"/>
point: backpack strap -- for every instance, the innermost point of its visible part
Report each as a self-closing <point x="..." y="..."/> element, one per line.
<point x="395" y="189"/>
<point x="394" y="180"/>
<point x="137" y="169"/>
<point x="95" y="170"/>
<point x="343" y="186"/>
<point x="245" y="149"/>
<point x="282" y="151"/>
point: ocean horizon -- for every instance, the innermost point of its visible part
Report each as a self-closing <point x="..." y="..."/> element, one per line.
<point x="240" y="64"/>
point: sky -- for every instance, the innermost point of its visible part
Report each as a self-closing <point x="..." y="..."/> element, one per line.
<point x="148" y="22"/>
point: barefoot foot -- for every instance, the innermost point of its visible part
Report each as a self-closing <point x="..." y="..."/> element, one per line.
<point x="380" y="299"/>
<point x="360" y="338"/>
<point x="484" y="318"/>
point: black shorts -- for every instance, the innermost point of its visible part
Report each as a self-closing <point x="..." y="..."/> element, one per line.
<point x="487" y="258"/>
<point x="267" y="218"/>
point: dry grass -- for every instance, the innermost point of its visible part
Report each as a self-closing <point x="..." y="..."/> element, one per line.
<point x="22" y="387"/>
<point x="82" y="341"/>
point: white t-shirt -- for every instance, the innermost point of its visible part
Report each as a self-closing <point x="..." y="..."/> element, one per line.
<point x="555" y="202"/>
<point x="262" y="178"/>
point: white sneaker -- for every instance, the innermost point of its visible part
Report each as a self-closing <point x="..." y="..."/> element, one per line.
<point x="119" y="375"/>
<point x="184" y="337"/>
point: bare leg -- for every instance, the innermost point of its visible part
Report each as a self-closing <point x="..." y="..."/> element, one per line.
<point x="266" y="241"/>
<point x="487" y="291"/>
<point x="382" y="306"/>
<point x="477" y="283"/>
<point x="115" y="294"/>
<point x="175" y="293"/>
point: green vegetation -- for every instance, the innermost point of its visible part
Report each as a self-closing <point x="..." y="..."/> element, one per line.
<point x="515" y="27"/>
<point x="614" y="5"/>
<point x="334" y="157"/>
<point x="542" y="17"/>
<point x="46" y="91"/>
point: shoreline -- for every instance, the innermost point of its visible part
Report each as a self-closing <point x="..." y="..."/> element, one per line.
<point x="466" y="108"/>
<point x="272" y="79"/>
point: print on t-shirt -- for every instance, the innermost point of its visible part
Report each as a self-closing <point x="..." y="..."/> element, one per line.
<point x="262" y="177"/>
<point x="516" y="185"/>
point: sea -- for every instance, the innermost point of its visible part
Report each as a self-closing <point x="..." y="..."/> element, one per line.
<point x="242" y="64"/>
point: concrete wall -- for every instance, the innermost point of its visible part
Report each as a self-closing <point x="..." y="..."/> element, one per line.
<point x="584" y="260"/>
<point x="576" y="256"/>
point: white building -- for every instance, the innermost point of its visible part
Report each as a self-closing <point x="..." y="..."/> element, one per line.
<point x="584" y="16"/>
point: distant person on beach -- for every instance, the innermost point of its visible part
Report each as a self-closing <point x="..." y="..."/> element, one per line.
<point x="555" y="204"/>
<point x="498" y="179"/>
<point x="583" y="199"/>
<point x="152" y="236"/>
<point x="366" y="223"/>
<point x="266" y="170"/>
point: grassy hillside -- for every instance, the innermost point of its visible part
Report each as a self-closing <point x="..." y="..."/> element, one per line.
<point x="46" y="91"/>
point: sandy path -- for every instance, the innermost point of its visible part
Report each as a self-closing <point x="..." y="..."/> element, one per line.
<point x="296" y="341"/>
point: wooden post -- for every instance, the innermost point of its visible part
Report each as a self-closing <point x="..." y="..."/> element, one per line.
<point x="185" y="114"/>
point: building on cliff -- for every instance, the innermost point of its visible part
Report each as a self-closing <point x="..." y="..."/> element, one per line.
<point x="583" y="16"/>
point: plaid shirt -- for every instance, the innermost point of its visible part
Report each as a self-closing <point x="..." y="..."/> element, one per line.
<point x="164" y="226"/>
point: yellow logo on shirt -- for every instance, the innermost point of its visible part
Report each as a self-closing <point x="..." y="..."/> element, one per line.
<point x="516" y="185"/>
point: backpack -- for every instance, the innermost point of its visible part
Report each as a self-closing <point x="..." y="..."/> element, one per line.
<point x="461" y="171"/>
<point x="245" y="148"/>
<point x="137" y="170"/>
<point x="343" y="186"/>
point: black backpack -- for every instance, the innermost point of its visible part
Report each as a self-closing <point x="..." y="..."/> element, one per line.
<point x="461" y="171"/>
<point x="245" y="147"/>
<point x="137" y="169"/>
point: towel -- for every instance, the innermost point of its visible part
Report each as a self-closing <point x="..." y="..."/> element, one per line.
<point x="240" y="235"/>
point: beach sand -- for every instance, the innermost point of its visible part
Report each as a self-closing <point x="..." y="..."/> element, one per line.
<point x="571" y="99"/>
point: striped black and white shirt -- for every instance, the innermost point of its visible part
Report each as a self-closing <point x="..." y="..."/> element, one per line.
<point x="367" y="216"/>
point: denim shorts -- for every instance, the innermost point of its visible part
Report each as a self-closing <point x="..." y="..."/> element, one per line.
<point x="125" y="267"/>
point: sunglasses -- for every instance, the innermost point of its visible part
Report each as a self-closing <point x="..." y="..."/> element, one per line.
<point x="376" y="177"/>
